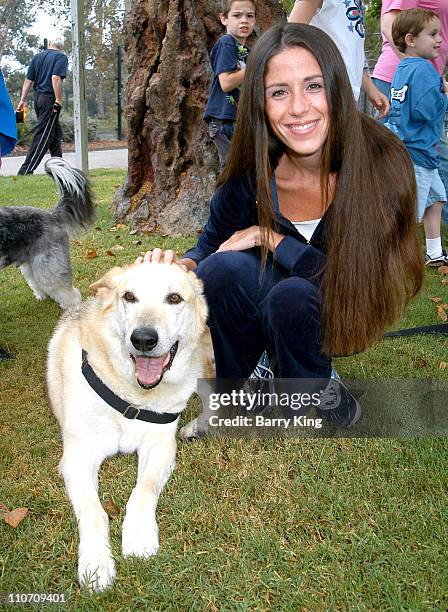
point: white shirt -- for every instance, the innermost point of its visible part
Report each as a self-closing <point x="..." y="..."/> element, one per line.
<point x="343" y="21"/>
<point x="306" y="228"/>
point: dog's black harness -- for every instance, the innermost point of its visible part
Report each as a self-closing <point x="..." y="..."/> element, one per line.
<point x="127" y="410"/>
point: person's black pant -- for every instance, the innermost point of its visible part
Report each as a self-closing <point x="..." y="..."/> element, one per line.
<point x="47" y="133"/>
<point x="282" y="315"/>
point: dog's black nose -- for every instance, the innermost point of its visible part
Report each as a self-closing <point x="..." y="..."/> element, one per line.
<point x="144" y="338"/>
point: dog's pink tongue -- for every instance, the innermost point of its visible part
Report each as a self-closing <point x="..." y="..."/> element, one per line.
<point x="150" y="369"/>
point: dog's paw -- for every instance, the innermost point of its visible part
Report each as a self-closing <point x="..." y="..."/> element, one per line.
<point x="96" y="571"/>
<point x="140" y="540"/>
<point x="192" y="430"/>
<point x="39" y="295"/>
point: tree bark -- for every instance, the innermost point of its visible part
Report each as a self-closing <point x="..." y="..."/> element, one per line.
<point x="173" y="165"/>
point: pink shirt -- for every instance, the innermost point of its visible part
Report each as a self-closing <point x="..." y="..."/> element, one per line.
<point x="388" y="61"/>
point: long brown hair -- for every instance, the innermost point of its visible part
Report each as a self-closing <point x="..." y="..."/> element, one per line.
<point x="374" y="263"/>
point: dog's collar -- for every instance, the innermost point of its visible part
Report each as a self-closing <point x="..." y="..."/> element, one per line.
<point x="127" y="410"/>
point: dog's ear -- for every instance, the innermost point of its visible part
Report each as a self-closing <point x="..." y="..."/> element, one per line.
<point x="108" y="281"/>
<point x="104" y="288"/>
<point x="201" y="304"/>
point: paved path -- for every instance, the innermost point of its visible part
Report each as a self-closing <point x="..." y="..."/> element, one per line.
<point x="112" y="158"/>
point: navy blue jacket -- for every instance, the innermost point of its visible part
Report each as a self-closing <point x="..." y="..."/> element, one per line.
<point x="233" y="208"/>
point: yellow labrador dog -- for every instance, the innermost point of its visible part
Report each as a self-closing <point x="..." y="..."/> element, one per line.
<point x="121" y="367"/>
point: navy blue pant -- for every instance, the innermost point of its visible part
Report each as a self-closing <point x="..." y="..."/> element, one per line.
<point x="247" y="316"/>
<point x="221" y="133"/>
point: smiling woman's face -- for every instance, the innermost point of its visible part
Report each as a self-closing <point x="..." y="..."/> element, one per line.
<point x="296" y="102"/>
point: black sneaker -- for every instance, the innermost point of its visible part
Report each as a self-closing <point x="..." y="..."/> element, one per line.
<point x="436" y="262"/>
<point x="261" y="381"/>
<point x="262" y="370"/>
<point x="338" y="406"/>
<point x="4" y="355"/>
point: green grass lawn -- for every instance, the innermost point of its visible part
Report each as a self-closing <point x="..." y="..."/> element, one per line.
<point x="245" y="524"/>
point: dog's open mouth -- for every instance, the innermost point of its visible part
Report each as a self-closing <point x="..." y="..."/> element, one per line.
<point x="150" y="370"/>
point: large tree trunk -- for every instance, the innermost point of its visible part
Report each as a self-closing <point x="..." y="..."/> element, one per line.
<point x="172" y="163"/>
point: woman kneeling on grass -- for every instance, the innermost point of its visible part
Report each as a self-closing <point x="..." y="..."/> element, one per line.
<point x="311" y="247"/>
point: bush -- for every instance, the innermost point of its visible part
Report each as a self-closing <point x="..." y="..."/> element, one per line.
<point x="68" y="130"/>
<point x="25" y="131"/>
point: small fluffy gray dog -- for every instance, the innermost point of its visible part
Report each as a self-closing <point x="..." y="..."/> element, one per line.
<point x="37" y="241"/>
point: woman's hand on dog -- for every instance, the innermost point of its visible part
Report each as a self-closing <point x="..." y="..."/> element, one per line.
<point x="170" y="257"/>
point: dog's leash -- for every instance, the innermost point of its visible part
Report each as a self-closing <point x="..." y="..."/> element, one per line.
<point x="127" y="410"/>
<point x="441" y="328"/>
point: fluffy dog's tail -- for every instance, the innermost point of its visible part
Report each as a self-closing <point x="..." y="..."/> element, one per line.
<point x="75" y="209"/>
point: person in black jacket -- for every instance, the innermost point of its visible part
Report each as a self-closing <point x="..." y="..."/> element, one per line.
<point x="46" y="73"/>
<point x="311" y="247"/>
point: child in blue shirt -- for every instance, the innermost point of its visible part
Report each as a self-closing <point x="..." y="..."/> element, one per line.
<point x="228" y="59"/>
<point x="418" y="105"/>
